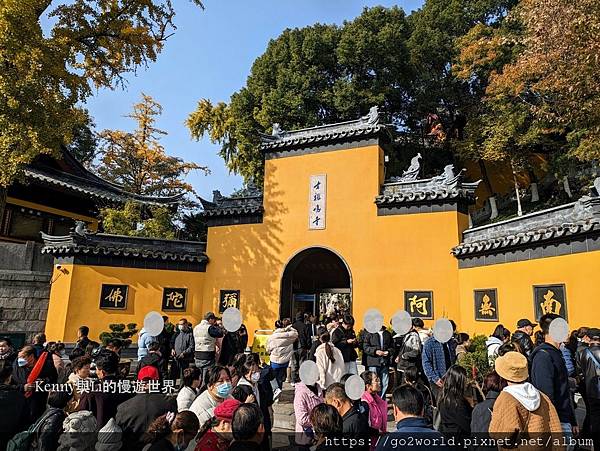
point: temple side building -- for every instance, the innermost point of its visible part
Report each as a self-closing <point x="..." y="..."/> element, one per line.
<point x="52" y="196"/>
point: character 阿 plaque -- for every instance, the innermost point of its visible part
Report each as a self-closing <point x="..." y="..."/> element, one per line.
<point x="419" y="304"/>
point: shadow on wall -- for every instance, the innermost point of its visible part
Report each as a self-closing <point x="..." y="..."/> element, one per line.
<point x="253" y="262"/>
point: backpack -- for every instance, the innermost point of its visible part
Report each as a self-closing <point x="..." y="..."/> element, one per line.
<point x="597" y="365"/>
<point x="23" y="440"/>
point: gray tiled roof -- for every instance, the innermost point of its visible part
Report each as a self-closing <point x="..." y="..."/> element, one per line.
<point x="81" y="242"/>
<point x="559" y="223"/>
<point x="366" y="127"/>
<point x="447" y="186"/>
<point x="248" y="201"/>
<point x="95" y="187"/>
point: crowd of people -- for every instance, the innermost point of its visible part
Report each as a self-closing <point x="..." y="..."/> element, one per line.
<point x="202" y="388"/>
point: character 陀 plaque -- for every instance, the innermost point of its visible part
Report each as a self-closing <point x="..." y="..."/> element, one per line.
<point x="174" y="299"/>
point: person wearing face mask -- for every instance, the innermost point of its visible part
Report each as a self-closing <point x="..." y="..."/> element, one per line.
<point x="28" y="369"/>
<point x="183" y="347"/>
<point x="218" y="382"/>
<point x="171" y="432"/>
<point x="250" y="373"/>
<point x="215" y="434"/>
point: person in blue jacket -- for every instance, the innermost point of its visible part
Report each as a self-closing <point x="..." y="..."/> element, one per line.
<point x="412" y="429"/>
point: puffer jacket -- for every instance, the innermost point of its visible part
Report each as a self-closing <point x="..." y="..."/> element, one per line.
<point x="548" y="373"/>
<point x="144" y="340"/>
<point x="590" y="368"/>
<point x="280" y="344"/>
<point x="50" y="429"/>
<point x="524" y="342"/>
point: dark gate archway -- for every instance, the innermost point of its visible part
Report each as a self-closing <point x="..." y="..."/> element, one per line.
<point x="314" y="280"/>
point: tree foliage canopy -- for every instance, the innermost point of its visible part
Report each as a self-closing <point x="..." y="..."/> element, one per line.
<point x="310" y="76"/>
<point x="45" y="76"/>
<point x="327" y="73"/>
<point x="138" y="162"/>
<point x="539" y="73"/>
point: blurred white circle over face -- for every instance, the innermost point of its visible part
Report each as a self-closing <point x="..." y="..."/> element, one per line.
<point x="373" y="320"/>
<point x="232" y="319"/>
<point x="442" y="330"/>
<point x="401" y="322"/>
<point x="309" y="373"/>
<point x="559" y="330"/>
<point x="354" y="387"/>
<point x="153" y="323"/>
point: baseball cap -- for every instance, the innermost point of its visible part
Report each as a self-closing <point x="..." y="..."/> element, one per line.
<point x="148" y="373"/>
<point x="593" y="333"/>
<point x="524" y="323"/>
<point x="209" y="315"/>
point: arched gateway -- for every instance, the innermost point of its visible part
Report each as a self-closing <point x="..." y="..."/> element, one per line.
<point x="315" y="280"/>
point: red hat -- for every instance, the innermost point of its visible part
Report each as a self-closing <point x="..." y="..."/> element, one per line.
<point x="148" y="373"/>
<point x="225" y="410"/>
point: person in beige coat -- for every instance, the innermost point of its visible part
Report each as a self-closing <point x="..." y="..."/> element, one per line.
<point x="330" y="362"/>
<point x="280" y="346"/>
<point x="521" y="411"/>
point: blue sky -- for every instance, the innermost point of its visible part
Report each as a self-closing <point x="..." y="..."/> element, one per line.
<point x="210" y="56"/>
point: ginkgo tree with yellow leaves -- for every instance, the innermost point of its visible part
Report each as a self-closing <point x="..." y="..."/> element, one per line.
<point x="46" y="74"/>
<point x="139" y="163"/>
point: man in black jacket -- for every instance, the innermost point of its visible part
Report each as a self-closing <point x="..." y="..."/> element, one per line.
<point x="548" y="374"/>
<point x="136" y="414"/>
<point x="22" y="367"/>
<point x="522" y="336"/>
<point x="590" y="369"/>
<point x="379" y="348"/>
<point x="311" y="331"/>
<point x="300" y="346"/>
<point x="247" y="428"/>
<point x="183" y="346"/>
<point x="51" y="428"/>
<point x="355" y="422"/>
<point x="343" y="337"/>
<point x="101" y="400"/>
<point x="14" y="416"/>
<point x="154" y="358"/>
<point x="7" y="354"/>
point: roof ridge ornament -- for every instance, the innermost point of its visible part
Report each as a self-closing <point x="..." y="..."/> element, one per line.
<point x="412" y="173"/>
<point x="372" y="118"/>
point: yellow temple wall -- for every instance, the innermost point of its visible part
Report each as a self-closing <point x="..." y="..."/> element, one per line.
<point x="514" y="283"/>
<point x="75" y="298"/>
<point x="385" y="254"/>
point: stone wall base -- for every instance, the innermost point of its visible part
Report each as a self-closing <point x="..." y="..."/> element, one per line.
<point x="24" y="297"/>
